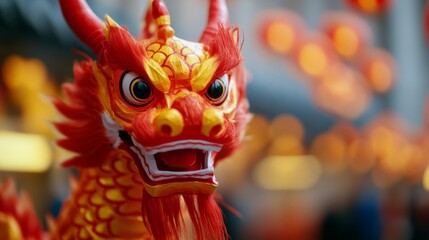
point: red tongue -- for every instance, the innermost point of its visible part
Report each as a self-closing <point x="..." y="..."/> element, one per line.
<point x="183" y="158"/>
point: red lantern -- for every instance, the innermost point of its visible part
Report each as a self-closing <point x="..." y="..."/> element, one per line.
<point x="314" y="55"/>
<point x="370" y="6"/>
<point x="426" y="22"/>
<point x="379" y="69"/>
<point x="340" y="92"/>
<point x="349" y="33"/>
<point x="280" y="31"/>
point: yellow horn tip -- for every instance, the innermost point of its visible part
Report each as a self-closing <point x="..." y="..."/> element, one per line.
<point x="110" y="21"/>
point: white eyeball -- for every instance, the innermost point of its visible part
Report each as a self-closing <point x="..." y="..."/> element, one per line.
<point x="135" y="89"/>
<point x="218" y="89"/>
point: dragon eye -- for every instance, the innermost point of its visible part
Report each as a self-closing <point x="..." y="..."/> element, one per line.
<point x="216" y="92"/>
<point x="135" y="89"/>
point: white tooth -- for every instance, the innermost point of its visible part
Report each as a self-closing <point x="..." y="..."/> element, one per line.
<point x="142" y="161"/>
<point x="152" y="163"/>
<point x="214" y="180"/>
<point x="209" y="160"/>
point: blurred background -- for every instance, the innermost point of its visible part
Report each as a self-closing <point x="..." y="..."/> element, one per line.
<point x="339" y="144"/>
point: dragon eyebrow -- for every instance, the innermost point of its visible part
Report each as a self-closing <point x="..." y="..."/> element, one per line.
<point x="226" y="46"/>
<point x="123" y="51"/>
<point x="225" y="51"/>
<point x="204" y="74"/>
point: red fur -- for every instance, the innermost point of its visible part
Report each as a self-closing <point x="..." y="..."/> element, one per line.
<point x="123" y="51"/>
<point x="21" y="209"/>
<point x="226" y="48"/>
<point x="210" y="216"/>
<point x="84" y="131"/>
<point x="168" y="212"/>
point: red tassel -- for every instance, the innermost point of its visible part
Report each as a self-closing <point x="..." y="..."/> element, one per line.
<point x="164" y="216"/>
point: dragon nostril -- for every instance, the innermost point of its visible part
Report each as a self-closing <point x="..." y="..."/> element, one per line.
<point x="125" y="136"/>
<point x="216" y="130"/>
<point x="166" y="129"/>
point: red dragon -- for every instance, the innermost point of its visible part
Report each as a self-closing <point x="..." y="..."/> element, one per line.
<point x="149" y="120"/>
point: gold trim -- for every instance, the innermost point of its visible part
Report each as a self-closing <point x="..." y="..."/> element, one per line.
<point x="163" y="20"/>
<point x="156" y="75"/>
<point x="204" y="74"/>
<point x="180" y="187"/>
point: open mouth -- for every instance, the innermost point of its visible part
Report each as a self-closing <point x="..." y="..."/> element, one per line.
<point x="184" y="160"/>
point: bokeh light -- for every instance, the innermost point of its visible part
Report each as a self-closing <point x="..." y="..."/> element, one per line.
<point x="28" y="82"/>
<point x="257" y="136"/>
<point x="341" y="93"/>
<point x="338" y="61"/>
<point x="426" y="178"/>
<point x="232" y="171"/>
<point x="350" y="34"/>
<point x="281" y="30"/>
<point x="286" y="125"/>
<point x="24" y="152"/>
<point x="371" y="6"/>
<point x="346" y="131"/>
<point x="314" y="55"/>
<point x="286" y="145"/>
<point x="287" y="172"/>
<point x="330" y="149"/>
<point x="379" y="69"/>
<point x="415" y="163"/>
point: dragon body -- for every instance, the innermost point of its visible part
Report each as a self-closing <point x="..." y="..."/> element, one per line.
<point x="148" y="120"/>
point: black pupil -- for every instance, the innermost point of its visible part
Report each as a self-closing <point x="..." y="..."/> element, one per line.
<point x="215" y="91"/>
<point x="141" y="90"/>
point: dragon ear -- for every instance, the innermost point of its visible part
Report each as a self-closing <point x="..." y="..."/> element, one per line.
<point x="157" y="21"/>
<point x="236" y="36"/>
<point x="84" y="23"/>
<point x="218" y="15"/>
<point x="109" y="23"/>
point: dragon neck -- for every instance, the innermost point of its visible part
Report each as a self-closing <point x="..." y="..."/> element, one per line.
<point x="110" y="198"/>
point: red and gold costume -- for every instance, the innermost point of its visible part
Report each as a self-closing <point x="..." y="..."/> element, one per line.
<point x="149" y="120"/>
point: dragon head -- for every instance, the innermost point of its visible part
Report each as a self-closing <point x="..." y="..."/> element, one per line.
<point x="176" y="107"/>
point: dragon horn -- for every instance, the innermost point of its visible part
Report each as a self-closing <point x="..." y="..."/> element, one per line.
<point x="84" y="23"/>
<point x="218" y="14"/>
<point x="148" y="27"/>
<point x="157" y="19"/>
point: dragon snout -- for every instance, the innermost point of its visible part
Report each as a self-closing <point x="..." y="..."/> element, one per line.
<point x="170" y="122"/>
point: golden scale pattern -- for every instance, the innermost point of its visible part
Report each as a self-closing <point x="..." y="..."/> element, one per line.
<point x="106" y="203"/>
<point x="177" y="58"/>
